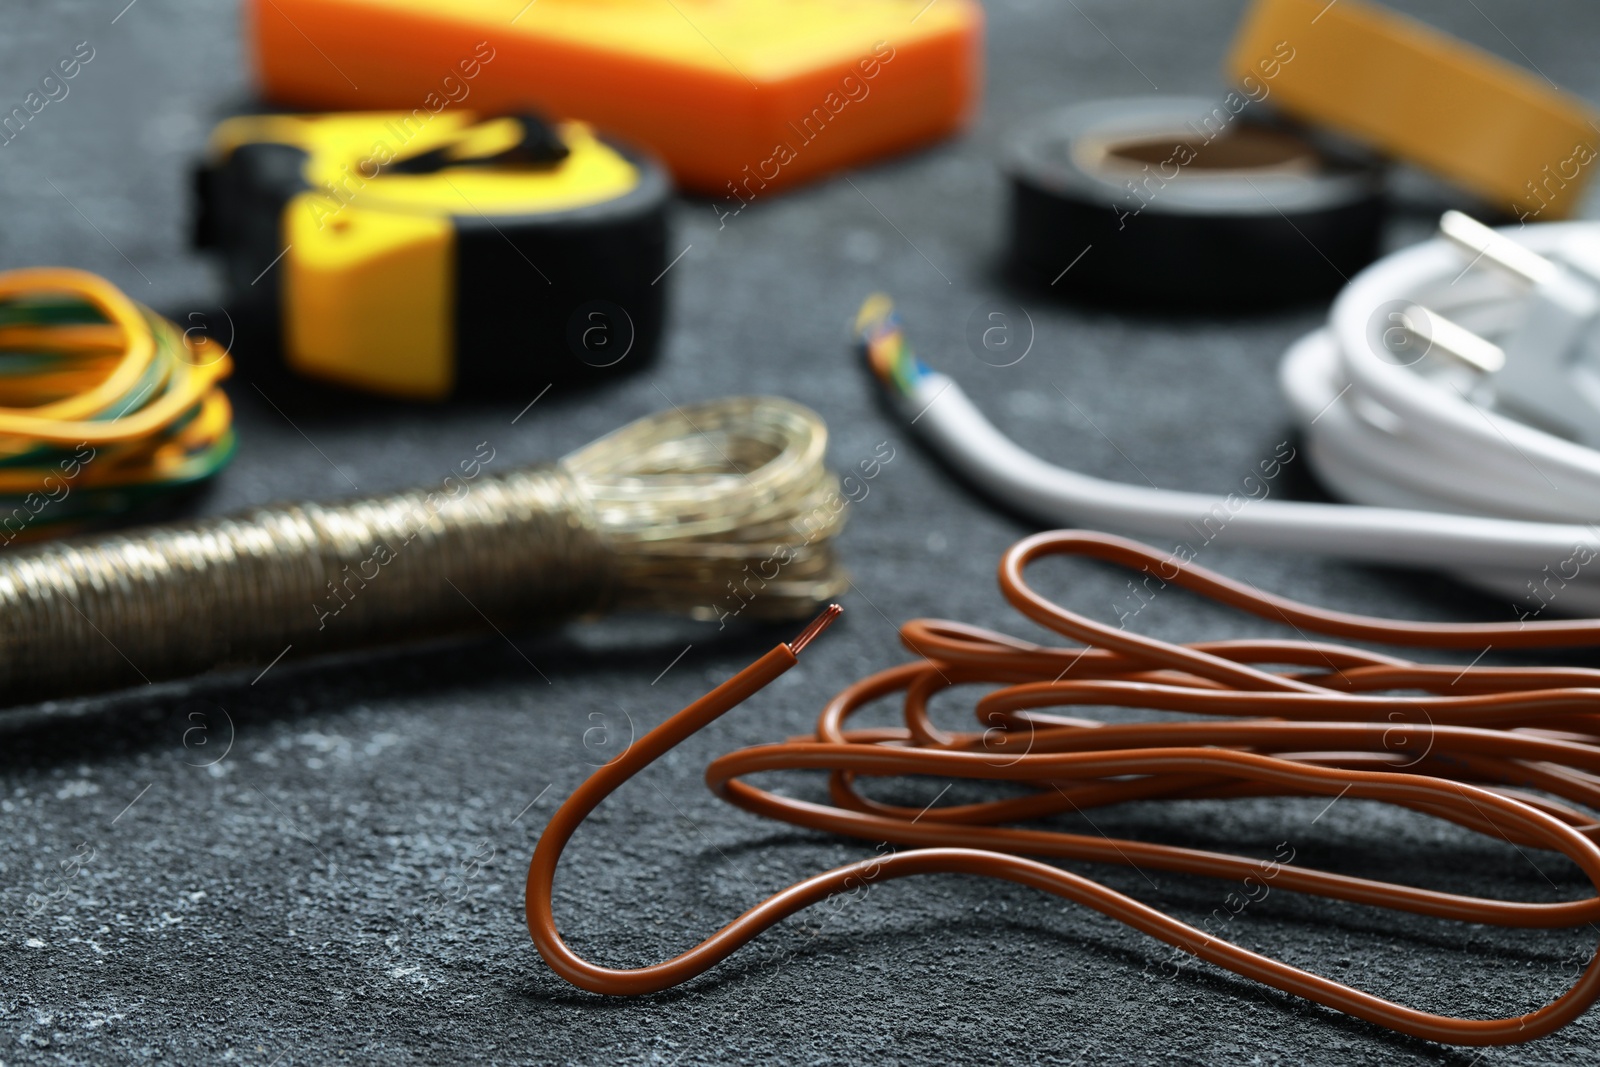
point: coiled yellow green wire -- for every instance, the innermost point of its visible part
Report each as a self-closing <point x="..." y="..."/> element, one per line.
<point x="105" y="406"/>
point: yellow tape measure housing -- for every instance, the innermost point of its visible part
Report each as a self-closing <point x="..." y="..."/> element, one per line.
<point x="420" y="249"/>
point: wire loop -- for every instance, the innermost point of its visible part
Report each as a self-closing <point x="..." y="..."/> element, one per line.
<point x="104" y="405"/>
<point x="1510" y="753"/>
<point x="687" y="511"/>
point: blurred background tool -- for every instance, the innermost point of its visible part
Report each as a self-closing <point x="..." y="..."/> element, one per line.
<point x="412" y="253"/>
<point x="735" y="95"/>
<point x="104" y="405"/>
<point x="665" y="514"/>
<point x="1399" y="86"/>
<point x="1186" y="201"/>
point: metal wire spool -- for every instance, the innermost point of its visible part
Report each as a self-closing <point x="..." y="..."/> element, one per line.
<point x="688" y="511"/>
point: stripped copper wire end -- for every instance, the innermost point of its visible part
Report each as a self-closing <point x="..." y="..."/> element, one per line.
<point x="815" y="628"/>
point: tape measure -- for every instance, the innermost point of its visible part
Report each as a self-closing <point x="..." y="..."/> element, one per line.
<point x="739" y="97"/>
<point x="1184" y="201"/>
<point x="1406" y="89"/>
<point x="417" y="252"/>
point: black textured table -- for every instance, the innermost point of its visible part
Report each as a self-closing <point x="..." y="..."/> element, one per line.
<point x="346" y="885"/>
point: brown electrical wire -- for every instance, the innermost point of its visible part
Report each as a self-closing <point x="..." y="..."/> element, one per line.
<point x="1467" y="749"/>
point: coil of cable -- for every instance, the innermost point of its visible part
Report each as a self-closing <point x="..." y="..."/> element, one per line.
<point x="1508" y="753"/>
<point x="718" y="510"/>
<point x="1393" y="422"/>
<point x="104" y="405"/>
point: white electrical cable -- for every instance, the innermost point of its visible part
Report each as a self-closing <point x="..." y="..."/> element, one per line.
<point x="1411" y="434"/>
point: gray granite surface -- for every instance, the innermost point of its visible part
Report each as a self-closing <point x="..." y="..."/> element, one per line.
<point x="283" y="906"/>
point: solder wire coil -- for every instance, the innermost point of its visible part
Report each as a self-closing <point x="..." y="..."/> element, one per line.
<point x="661" y="515"/>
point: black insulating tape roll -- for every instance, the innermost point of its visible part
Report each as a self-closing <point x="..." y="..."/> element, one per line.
<point x="1186" y="202"/>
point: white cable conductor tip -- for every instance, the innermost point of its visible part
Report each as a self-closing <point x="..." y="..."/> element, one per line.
<point x="1437" y="332"/>
<point x="1498" y="250"/>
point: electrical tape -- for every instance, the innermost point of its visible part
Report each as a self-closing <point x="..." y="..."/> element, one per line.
<point x="1186" y="201"/>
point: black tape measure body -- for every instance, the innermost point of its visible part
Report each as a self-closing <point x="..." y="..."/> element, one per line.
<point x="1178" y="202"/>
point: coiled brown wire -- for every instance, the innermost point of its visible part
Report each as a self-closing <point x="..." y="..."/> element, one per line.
<point x="1475" y="747"/>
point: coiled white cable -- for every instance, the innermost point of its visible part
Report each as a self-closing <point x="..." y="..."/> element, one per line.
<point x="1440" y="477"/>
